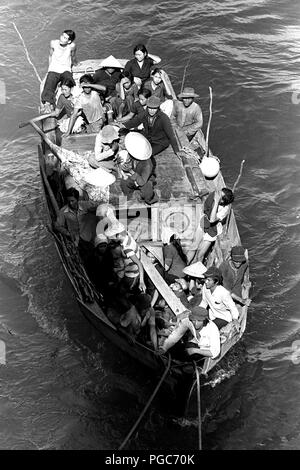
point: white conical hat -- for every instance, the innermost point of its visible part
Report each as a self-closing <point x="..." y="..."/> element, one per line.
<point x="156" y="251"/>
<point x="138" y="146"/>
<point x="195" y="269"/>
<point x="100" y="177"/>
<point x="111" y="62"/>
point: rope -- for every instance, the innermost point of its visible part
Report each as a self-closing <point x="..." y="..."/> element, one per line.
<point x="27" y="54"/>
<point x="198" y="406"/>
<point x="132" y="430"/>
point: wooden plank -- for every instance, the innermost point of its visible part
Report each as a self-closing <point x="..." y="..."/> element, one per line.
<point x="172" y="300"/>
<point x="154" y="223"/>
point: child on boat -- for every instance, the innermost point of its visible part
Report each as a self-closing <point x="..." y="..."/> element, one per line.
<point x="158" y="87"/>
<point x="234" y="270"/>
<point x="61" y="59"/>
<point x="174" y="257"/>
<point x="138" y="110"/>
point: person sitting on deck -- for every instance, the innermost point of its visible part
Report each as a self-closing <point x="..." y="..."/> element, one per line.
<point x="187" y="115"/>
<point x="203" y="339"/>
<point x="90" y="104"/>
<point x="77" y="221"/>
<point x="195" y="273"/>
<point x="134" y="278"/>
<point x="216" y="209"/>
<point x="233" y="271"/>
<point x="127" y="95"/>
<point x="106" y="147"/>
<point x="159" y="88"/>
<point x="174" y="257"/>
<point x="157" y="128"/>
<point x="108" y="75"/>
<point x="141" y="174"/>
<point x="140" y="67"/>
<point x="139" y="108"/>
<point x="64" y="109"/>
<point x="61" y="59"/>
<point x="217" y="299"/>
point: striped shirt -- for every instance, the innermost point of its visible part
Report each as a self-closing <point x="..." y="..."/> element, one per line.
<point x="131" y="248"/>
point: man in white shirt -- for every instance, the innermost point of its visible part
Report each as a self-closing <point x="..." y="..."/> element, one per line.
<point x="222" y="308"/>
<point x="204" y="337"/>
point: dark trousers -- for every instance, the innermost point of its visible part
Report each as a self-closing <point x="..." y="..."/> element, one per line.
<point x="52" y="80"/>
<point x="146" y="191"/>
<point x="157" y="148"/>
<point x="220" y="322"/>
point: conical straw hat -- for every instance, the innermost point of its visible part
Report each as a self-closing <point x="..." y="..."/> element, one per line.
<point x="195" y="270"/>
<point x="111" y="62"/>
<point x="156" y="251"/>
<point x="138" y="146"/>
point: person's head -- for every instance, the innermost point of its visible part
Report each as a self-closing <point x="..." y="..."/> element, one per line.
<point x="128" y="79"/>
<point x="153" y="104"/>
<point x="101" y="244"/>
<point x="213" y="278"/>
<point x="140" y="52"/>
<point x="227" y="197"/>
<point x="86" y="79"/>
<point x="237" y="255"/>
<point x="67" y="37"/>
<point x="66" y="87"/>
<point x="72" y="196"/>
<point x="187" y="96"/>
<point x="122" y="134"/>
<point x="156" y="76"/>
<point x="199" y="317"/>
<point x="143" y="96"/>
<point x="143" y="303"/>
<point x="109" y="134"/>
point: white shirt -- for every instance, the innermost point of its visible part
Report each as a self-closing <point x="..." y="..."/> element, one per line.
<point x="220" y="304"/>
<point x="61" y="60"/>
<point x="210" y="339"/>
<point x="91" y="106"/>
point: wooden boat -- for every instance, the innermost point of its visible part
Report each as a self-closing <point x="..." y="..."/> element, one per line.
<point x="181" y="186"/>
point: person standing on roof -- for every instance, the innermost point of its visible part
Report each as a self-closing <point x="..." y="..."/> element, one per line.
<point x="217" y="299"/>
<point x="187" y="115"/>
<point x="61" y="59"/>
<point x="140" y="67"/>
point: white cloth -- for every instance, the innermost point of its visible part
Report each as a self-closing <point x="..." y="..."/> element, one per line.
<point x="61" y="60"/>
<point x="220" y="304"/>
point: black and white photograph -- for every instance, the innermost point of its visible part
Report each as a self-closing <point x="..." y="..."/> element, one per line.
<point x="149" y="228"/>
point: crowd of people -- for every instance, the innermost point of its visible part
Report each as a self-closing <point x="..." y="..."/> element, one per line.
<point x="132" y="109"/>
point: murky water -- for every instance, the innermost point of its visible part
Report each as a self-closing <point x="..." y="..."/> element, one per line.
<point x="63" y="386"/>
